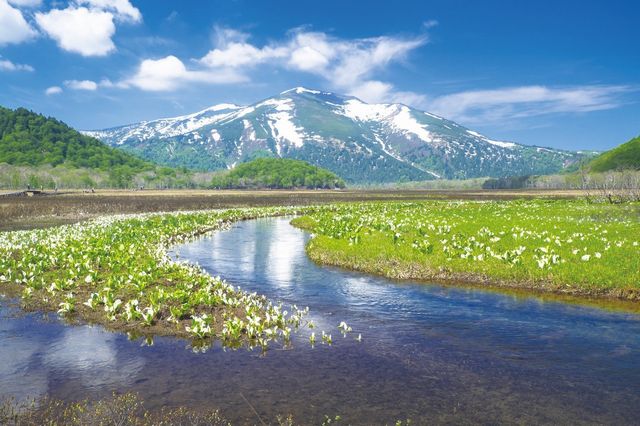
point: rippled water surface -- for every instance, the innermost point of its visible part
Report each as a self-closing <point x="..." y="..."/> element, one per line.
<point x="429" y="353"/>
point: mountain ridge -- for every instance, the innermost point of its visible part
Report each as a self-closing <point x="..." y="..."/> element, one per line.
<point x="360" y="142"/>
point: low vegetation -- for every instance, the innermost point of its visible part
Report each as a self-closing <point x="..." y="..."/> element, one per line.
<point x="115" y="271"/>
<point x="277" y="173"/>
<point x="553" y="245"/>
<point x="63" y="176"/>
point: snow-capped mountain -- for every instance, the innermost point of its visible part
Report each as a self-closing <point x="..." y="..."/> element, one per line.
<point x="360" y="142"/>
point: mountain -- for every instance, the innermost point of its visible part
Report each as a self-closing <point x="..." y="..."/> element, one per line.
<point x="625" y="156"/>
<point x="358" y="141"/>
<point x="280" y="173"/>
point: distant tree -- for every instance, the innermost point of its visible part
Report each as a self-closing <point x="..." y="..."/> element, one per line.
<point x="277" y="173"/>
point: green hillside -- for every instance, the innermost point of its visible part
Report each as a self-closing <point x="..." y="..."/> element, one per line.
<point x="625" y="156"/>
<point x="30" y="139"/>
<point x="277" y="173"/>
<point x="41" y="151"/>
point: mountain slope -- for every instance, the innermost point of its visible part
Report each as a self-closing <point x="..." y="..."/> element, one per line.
<point x="41" y="151"/>
<point x="625" y="156"/>
<point x="358" y="141"/>
<point x="30" y="139"/>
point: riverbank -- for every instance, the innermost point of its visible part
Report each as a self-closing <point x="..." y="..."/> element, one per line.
<point x="115" y="271"/>
<point x="565" y="247"/>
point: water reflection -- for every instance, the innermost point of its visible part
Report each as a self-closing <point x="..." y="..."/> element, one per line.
<point x="36" y="356"/>
<point x="89" y="354"/>
<point x="284" y="253"/>
<point x="17" y="351"/>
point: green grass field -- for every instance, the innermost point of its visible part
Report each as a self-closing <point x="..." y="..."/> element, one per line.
<point x="565" y="246"/>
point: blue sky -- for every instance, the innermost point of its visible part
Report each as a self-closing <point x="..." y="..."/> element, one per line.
<point x="553" y="73"/>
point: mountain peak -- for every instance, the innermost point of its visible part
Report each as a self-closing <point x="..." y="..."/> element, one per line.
<point x="299" y="90"/>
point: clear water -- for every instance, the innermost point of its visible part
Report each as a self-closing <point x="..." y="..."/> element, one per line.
<point x="430" y="353"/>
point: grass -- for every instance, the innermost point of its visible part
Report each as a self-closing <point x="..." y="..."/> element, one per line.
<point x="115" y="271"/>
<point x="564" y="246"/>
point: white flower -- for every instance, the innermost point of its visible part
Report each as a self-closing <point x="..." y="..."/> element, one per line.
<point x="586" y="257"/>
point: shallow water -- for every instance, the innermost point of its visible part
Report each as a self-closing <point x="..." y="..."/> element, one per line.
<point x="429" y="353"/>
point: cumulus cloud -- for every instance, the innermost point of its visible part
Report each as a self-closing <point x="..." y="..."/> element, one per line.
<point x="81" y="85"/>
<point x="170" y="73"/>
<point x="87" y="26"/>
<point x="13" y="27"/>
<point x="347" y="65"/>
<point x="477" y="106"/>
<point x="53" y="90"/>
<point x="80" y="30"/>
<point x="7" y="65"/>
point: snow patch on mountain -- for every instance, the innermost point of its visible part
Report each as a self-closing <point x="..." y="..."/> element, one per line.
<point x="284" y="130"/>
<point x="397" y="116"/>
<point x="358" y="110"/>
<point x="249" y="131"/>
<point x="405" y="122"/>
<point x="491" y="141"/>
<point x="281" y="123"/>
<point x="300" y="90"/>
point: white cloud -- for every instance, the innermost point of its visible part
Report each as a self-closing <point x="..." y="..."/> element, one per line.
<point x="87" y="26"/>
<point x="477" y="106"/>
<point x="170" y="73"/>
<point x="380" y="92"/>
<point x="13" y="27"/>
<point x="81" y="85"/>
<point x="347" y="65"/>
<point x="240" y="54"/>
<point x="122" y="9"/>
<point x="7" y="65"/>
<point x="80" y="30"/>
<point x="53" y="90"/>
<point x="307" y="59"/>
<point x="361" y="58"/>
<point x="232" y="50"/>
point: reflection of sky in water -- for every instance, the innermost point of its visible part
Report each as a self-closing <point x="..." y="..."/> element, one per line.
<point x="17" y="352"/>
<point x="284" y="251"/>
<point x="33" y="353"/>
<point x="89" y="354"/>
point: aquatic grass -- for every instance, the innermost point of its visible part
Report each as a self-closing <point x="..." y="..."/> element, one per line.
<point x="566" y="246"/>
<point x="116" y="271"/>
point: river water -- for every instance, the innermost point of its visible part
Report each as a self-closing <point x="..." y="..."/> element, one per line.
<point x="429" y="353"/>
